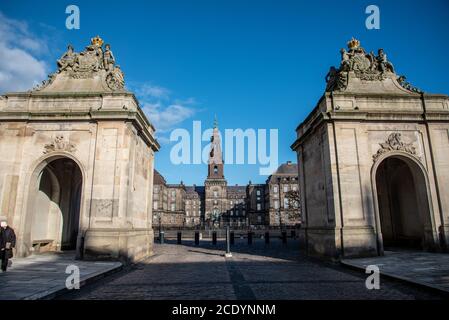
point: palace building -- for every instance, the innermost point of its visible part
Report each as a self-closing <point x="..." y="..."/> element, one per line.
<point x="219" y="204"/>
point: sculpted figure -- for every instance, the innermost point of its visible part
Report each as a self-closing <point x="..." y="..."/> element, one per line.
<point x="92" y="56"/>
<point x="345" y="64"/>
<point x="373" y="61"/>
<point x="383" y="63"/>
<point x="108" y="58"/>
<point x="68" y="59"/>
<point x="118" y="74"/>
<point x="335" y="79"/>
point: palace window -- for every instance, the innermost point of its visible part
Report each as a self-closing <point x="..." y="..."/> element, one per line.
<point x="286" y="188"/>
<point x="173" y="207"/>
<point x="276" y="204"/>
<point x="285" y="203"/>
<point x="275" y="189"/>
<point x="259" y="207"/>
<point x="258" y="192"/>
<point x="215" y="194"/>
<point x="155" y="205"/>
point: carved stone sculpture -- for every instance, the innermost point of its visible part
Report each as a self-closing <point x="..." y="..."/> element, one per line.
<point x="68" y="59"/>
<point x="394" y="143"/>
<point x="59" y="144"/>
<point x="366" y="67"/>
<point x="108" y="58"/>
<point x="383" y="63"/>
<point x="115" y="78"/>
<point x="93" y="62"/>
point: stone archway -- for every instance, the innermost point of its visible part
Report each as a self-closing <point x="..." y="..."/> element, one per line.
<point x="403" y="204"/>
<point x="54" y="206"/>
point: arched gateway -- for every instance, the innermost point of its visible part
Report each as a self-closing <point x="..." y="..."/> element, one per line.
<point x="403" y="208"/>
<point x="76" y="161"/>
<point x="52" y="221"/>
<point x="373" y="162"/>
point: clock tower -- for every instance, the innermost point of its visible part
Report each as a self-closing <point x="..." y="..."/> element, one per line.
<point x="215" y="184"/>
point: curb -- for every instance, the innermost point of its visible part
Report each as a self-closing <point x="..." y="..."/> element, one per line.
<point x="60" y="290"/>
<point x="416" y="283"/>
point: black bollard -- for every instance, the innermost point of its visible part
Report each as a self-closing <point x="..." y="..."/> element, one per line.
<point x="228" y="243"/>
<point x="214" y="237"/>
<point x="232" y="237"/>
<point x="293" y="234"/>
<point x="267" y="237"/>
<point x="250" y="237"/>
<point x="179" y="237"/>
<point x="197" y="238"/>
<point x="284" y="237"/>
<point x="161" y="237"/>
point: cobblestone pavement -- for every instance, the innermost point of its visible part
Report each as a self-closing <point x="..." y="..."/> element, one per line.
<point x="253" y="272"/>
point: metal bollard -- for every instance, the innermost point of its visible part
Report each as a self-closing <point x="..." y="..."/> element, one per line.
<point x="228" y="243"/>
<point x="250" y="237"/>
<point x="197" y="238"/>
<point x="161" y="237"/>
<point x="179" y="237"/>
<point x="267" y="237"/>
<point x="293" y="234"/>
<point x="284" y="237"/>
<point x="232" y="237"/>
<point x="214" y="237"/>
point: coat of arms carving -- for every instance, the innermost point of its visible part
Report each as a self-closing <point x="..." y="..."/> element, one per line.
<point x="59" y="144"/>
<point x="394" y="143"/>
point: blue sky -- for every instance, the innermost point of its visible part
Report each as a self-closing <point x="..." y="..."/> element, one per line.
<point x="255" y="64"/>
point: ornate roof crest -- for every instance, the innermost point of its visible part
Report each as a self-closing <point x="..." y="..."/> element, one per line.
<point x="95" y="62"/>
<point x="365" y="66"/>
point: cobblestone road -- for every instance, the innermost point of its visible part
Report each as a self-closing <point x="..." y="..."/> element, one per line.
<point x="254" y="272"/>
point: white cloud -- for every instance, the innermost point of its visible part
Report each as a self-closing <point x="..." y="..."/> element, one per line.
<point x="164" y="111"/>
<point x="21" y="67"/>
<point x="166" y="118"/>
<point x="151" y="91"/>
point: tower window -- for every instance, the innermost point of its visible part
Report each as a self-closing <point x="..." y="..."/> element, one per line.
<point x="215" y="169"/>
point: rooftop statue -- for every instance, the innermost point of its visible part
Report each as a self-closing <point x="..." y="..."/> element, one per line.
<point x="95" y="62"/>
<point x="355" y="62"/>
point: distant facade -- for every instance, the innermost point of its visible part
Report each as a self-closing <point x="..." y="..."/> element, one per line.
<point x="76" y="157"/>
<point x="374" y="162"/>
<point x="218" y="204"/>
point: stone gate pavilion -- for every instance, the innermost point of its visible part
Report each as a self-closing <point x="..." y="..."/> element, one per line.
<point x="373" y="159"/>
<point x="76" y="161"/>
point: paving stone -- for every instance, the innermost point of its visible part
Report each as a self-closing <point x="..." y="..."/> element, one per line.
<point x="38" y="276"/>
<point x="254" y="272"/>
<point x="414" y="266"/>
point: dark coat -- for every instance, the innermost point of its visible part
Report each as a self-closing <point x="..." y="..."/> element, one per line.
<point x="7" y="235"/>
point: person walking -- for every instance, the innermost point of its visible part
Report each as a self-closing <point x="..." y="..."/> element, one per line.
<point x="7" y="243"/>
